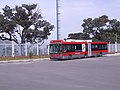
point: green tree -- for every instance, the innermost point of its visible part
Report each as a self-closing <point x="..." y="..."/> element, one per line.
<point x="95" y="26"/>
<point x="99" y="29"/>
<point x="23" y="24"/>
<point x="102" y="29"/>
<point x="114" y="29"/>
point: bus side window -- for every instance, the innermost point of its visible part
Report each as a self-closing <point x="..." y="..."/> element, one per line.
<point x="94" y="47"/>
<point x="78" y="47"/>
<point x="104" y="46"/>
<point x="68" y="48"/>
<point x="65" y="48"/>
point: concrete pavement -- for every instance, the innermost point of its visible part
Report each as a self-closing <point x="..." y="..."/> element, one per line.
<point x="99" y="73"/>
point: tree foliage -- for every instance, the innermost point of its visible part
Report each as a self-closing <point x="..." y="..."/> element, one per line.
<point x="99" y="29"/>
<point x="23" y="24"/>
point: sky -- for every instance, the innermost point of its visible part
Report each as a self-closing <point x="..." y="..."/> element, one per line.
<point x="72" y="12"/>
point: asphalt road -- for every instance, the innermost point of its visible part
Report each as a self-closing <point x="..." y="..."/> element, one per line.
<point x="101" y="73"/>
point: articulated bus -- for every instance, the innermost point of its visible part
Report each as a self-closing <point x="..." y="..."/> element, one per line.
<point x="60" y="49"/>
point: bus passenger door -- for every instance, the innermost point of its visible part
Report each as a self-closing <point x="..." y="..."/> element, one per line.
<point x="89" y="50"/>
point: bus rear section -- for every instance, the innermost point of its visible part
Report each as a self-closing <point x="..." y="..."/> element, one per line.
<point x="99" y="48"/>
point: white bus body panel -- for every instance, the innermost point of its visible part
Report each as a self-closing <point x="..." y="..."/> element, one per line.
<point x="83" y="48"/>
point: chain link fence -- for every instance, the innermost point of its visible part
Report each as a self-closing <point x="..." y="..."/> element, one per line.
<point x="26" y="49"/>
<point x="22" y="50"/>
<point x="112" y="48"/>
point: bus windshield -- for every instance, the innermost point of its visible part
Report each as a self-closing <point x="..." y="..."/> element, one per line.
<point x="55" y="48"/>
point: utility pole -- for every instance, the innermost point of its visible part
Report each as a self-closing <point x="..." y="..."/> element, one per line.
<point x="58" y="18"/>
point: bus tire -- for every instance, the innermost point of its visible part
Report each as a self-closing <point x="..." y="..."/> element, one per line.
<point x="100" y="54"/>
<point x="70" y="56"/>
<point x="85" y="56"/>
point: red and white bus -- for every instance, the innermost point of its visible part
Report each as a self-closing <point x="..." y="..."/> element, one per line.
<point x="60" y="49"/>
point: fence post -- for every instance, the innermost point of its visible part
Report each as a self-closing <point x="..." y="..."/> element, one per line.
<point x="25" y="49"/>
<point x="116" y="47"/>
<point x="13" y="49"/>
<point x="37" y="48"/>
<point x="5" y="50"/>
<point x="48" y="49"/>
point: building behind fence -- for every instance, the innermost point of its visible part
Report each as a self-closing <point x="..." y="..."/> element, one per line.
<point x="12" y="49"/>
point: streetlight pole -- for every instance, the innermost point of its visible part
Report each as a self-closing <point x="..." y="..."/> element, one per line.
<point x="57" y="19"/>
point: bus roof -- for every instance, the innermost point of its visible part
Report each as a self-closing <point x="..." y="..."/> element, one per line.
<point x="74" y="42"/>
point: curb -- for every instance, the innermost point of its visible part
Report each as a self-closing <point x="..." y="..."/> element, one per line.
<point x="22" y="61"/>
<point x="113" y="54"/>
